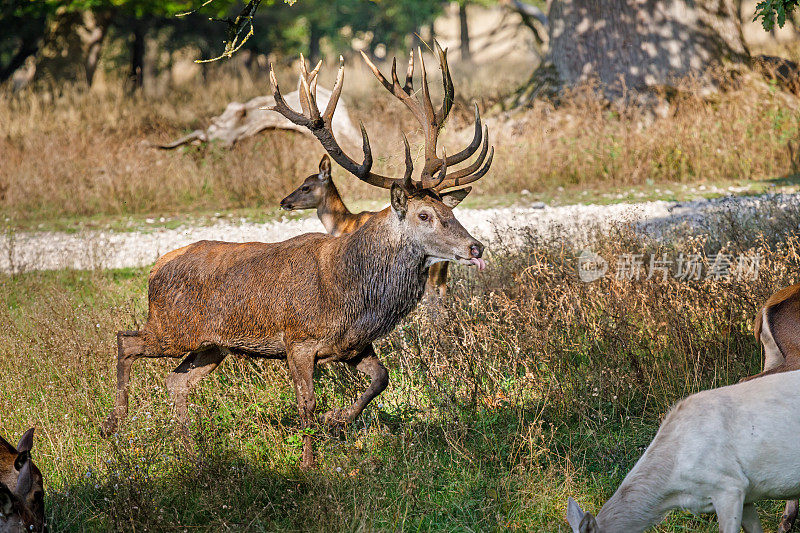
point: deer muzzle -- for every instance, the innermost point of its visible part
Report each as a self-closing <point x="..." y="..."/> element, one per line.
<point x="476" y="251"/>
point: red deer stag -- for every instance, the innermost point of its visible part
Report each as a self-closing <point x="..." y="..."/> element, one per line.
<point x="777" y="327"/>
<point x="319" y="192"/>
<point x="315" y="298"/>
<point x="21" y="489"/>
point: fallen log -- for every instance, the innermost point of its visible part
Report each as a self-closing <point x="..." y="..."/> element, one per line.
<point x="242" y="120"/>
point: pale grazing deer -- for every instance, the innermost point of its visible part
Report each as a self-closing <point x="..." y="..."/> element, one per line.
<point x="21" y="488"/>
<point x="719" y="450"/>
<point x="315" y="298"/>
<point x="777" y="327"/>
<point x="318" y="191"/>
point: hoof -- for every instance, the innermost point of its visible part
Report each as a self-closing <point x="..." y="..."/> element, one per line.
<point x="109" y="427"/>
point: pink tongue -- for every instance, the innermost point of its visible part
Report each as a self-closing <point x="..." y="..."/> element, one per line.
<point x="479" y="262"/>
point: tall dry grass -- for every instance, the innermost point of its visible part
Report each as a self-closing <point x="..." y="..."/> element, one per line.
<point x="70" y="153"/>
<point x="527" y="386"/>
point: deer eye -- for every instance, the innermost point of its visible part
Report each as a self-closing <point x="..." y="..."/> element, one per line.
<point x="306" y="188"/>
<point x="423" y="216"/>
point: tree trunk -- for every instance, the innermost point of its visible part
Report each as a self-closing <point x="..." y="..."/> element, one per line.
<point x="314" y="35"/>
<point x="466" y="55"/>
<point x="27" y="48"/>
<point x="136" y="75"/>
<point x="93" y="39"/>
<point x="637" y="45"/>
<point x="71" y="47"/>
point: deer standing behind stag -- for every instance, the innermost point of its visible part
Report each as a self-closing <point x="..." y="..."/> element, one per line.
<point x="315" y="298"/>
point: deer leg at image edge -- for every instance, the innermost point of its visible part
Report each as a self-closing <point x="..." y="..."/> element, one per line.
<point x="301" y="367"/>
<point x="729" y="508"/>
<point x="183" y="379"/>
<point x="368" y="363"/>
<point x="789" y="516"/>
<point x="129" y="349"/>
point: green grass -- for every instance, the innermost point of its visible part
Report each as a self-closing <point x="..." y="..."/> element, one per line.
<point x="532" y="386"/>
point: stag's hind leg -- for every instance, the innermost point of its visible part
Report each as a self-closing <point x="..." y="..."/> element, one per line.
<point x="183" y="379"/>
<point x="368" y="363"/>
<point x="130" y="347"/>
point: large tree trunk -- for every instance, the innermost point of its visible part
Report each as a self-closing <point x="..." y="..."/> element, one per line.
<point x="72" y="47"/>
<point x="637" y="45"/>
<point x="314" y="36"/>
<point x="136" y="75"/>
<point x="466" y="55"/>
<point x="93" y="33"/>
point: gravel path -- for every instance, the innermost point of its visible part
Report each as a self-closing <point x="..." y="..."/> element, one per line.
<point x="107" y="249"/>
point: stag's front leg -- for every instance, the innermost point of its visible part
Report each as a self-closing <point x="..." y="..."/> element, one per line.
<point x="301" y="367"/>
<point x="368" y="363"/>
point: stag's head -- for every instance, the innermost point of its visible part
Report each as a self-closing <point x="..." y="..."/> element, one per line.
<point x="21" y="487"/>
<point x="311" y="194"/>
<point x="423" y="210"/>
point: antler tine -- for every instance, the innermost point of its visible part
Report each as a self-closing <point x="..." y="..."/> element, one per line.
<point x="310" y="102"/>
<point x="322" y="128"/>
<point x="466" y="171"/>
<point x="313" y="74"/>
<point x="426" y="95"/>
<point x="313" y="79"/>
<point x="442" y="172"/>
<point x="409" y="86"/>
<point x="407" y="182"/>
<point x="395" y="82"/>
<point x="448" y="183"/>
<point x="337" y="91"/>
<point x="430" y="126"/>
<point x="467" y="152"/>
<point x="280" y="104"/>
<point x="447" y="82"/>
<point x="308" y="98"/>
<point x="304" y="104"/>
<point x="377" y="72"/>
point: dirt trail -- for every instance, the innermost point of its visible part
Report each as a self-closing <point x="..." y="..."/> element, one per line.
<point x="108" y="249"/>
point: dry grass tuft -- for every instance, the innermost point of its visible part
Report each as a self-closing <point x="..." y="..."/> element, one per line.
<point x="75" y="154"/>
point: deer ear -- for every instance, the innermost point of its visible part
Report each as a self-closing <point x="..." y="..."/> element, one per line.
<point x="325" y="168"/>
<point x="453" y="198"/>
<point x="21" y="460"/>
<point x="26" y="442"/>
<point x="6" y="500"/>
<point x="589" y="524"/>
<point x="574" y="515"/>
<point x="24" y="481"/>
<point x="399" y="200"/>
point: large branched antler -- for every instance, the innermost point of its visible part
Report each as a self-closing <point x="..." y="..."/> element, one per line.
<point x="321" y="125"/>
<point x="434" y="174"/>
<point x="432" y="121"/>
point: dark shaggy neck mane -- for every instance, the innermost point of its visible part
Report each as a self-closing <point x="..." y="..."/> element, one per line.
<point x="385" y="270"/>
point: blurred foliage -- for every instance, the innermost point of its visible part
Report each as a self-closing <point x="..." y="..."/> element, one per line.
<point x="771" y="10"/>
<point x="220" y="27"/>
